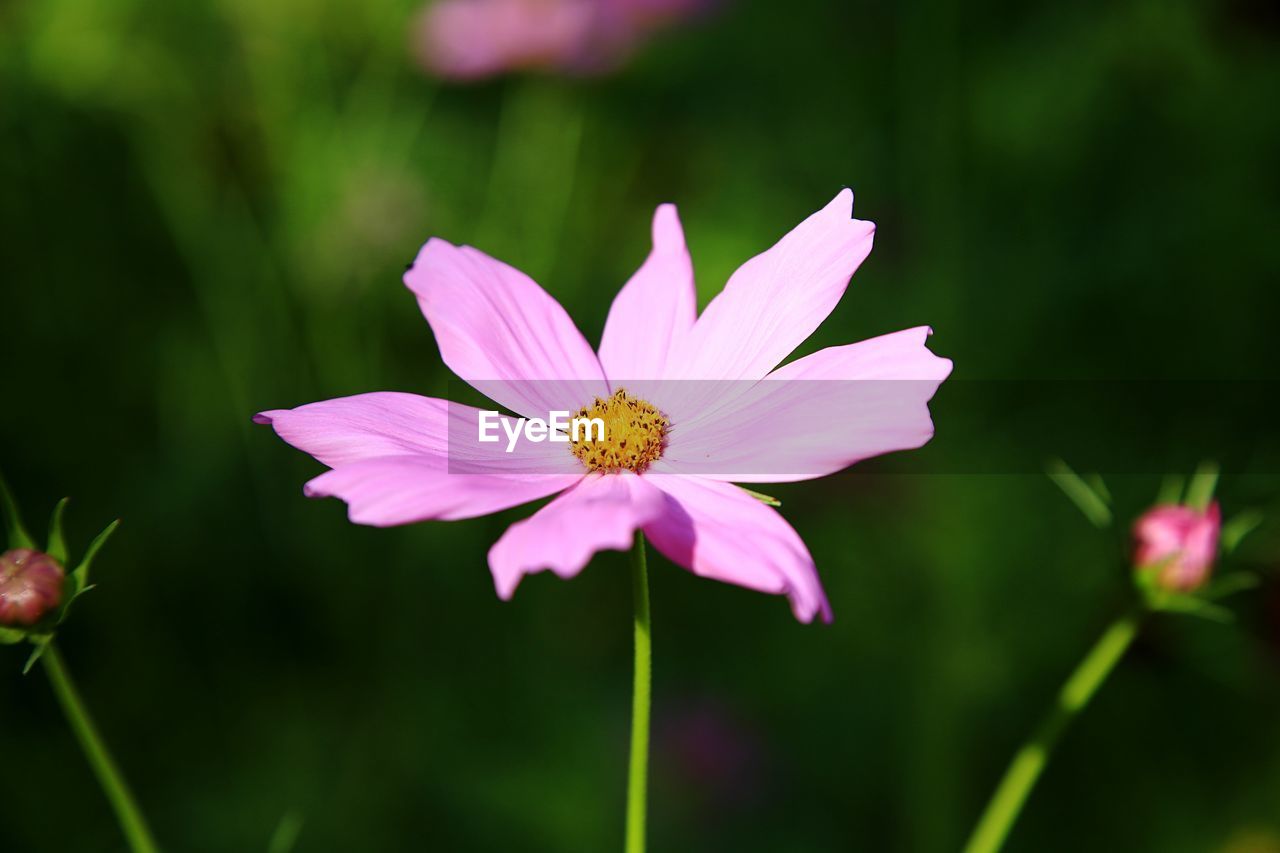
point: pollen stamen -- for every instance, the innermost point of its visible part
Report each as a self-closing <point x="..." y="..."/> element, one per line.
<point x="634" y="434"/>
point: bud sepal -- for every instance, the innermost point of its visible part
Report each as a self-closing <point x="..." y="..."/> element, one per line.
<point x="1177" y="544"/>
<point x="36" y="591"/>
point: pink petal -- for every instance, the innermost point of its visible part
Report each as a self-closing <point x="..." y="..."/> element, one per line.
<point x="817" y="415"/>
<point x="1161" y="532"/>
<point x="601" y="512"/>
<point x="775" y="300"/>
<point x="390" y="423"/>
<point x="1181" y="536"/>
<point x="655" y="310"/>
<point x="502" y="333"/>
<point x="382" y="423"/>
<point x="395" y="490"/>
<point x="399" y="458"/>
<point x="717" y="530"/>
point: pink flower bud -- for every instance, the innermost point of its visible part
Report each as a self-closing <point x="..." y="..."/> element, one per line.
<point x="30" y="586"/>
<point x="1179" y="542"/>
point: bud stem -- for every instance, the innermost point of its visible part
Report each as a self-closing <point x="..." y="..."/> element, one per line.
<point x="638" y="775"/>
<point x="1027" y="764"/>
<point x="132" y="823"/>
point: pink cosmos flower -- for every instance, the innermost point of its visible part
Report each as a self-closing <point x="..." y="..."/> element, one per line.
<point x="694" y="403"/>
<point x="1180" y="542"/>
<point x="473" y="39"/>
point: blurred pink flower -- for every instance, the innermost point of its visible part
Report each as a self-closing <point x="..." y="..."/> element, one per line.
<point x="398" y="458"/>
<point x="473" y="39"/>
<point x="1179" y="542"/>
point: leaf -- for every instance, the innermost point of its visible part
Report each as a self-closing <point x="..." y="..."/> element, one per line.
<point x="94" y="546"/>
<point x="286" y="834"/>
<point x="73" y="588"/>
<point x="1203" y="482"/>
<point x="1171" y="489"/>
<point x="10" y="636"/>
<point x="18" y="535"/>
<point x="1176" y="602"/>
<point x="1239" y="527"/>
<point x="78" y="579"/>
<point x="40" y="644"/>
<point x="1147" y="580"/>
<point x="1099" y="486"/>
<point x="1230" y="585"/>
<point x="1086" y="498"/>
<point x="771" y="501"/>
<point x="57" y="547"/>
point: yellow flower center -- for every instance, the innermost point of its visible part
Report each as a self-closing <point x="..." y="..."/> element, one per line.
<point x="634" y="432"/>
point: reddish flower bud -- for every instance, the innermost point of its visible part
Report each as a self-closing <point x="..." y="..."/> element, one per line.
<point x="30" y="586"/>
<point x="1179" y="543"/>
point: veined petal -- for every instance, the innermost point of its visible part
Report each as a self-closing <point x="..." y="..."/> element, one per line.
<point x="817" y="415"/>
<point x="655" y="310"/>
<point x="602" y="512"/>
<point x="717" y="530"/>
<point x="393" y="490"/>
<point x="775" y="300"/>
<point x="395" y="424"/>
<point x="364" y="426"/>
<point x="502" y="333"/>
<point x="897" y="356"/>
<point x="397" y="458"/>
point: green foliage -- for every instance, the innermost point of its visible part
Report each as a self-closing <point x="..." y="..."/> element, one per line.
<point x="1200" y="489"/>
<point x="57" y="547"/>
<point x="1090" y="496"/>
<point x="1236" y="529"/>
<point x="286" y="834"/>
<point x="18" y="535"/>
<point x="39" y="643"/>
<point x="1171" y="489"/>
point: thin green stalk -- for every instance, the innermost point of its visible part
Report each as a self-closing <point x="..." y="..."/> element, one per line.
<point x="638" y="776"/>
<point x="132" y="823"/>
<point x="1020" y="778"/>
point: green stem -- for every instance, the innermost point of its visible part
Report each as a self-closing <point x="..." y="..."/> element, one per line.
<point x="132" y="824"/>
<point x="1027" y="764"/>
<point x="637" y="777"/>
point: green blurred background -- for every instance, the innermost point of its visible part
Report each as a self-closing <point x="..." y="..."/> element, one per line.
<point x="206" y="209"/>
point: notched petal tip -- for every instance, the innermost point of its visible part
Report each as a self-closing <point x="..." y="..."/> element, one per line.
<point x="839" y="212"/>
<point x="843" y="204"/>
<point x="433" y="249"/>
<point x="943" y="366"/>
<point x="843" y="201"/>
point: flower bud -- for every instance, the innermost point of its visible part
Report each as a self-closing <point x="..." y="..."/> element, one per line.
<point x="1179" y="543"/>
<point x="30" y="587"/>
